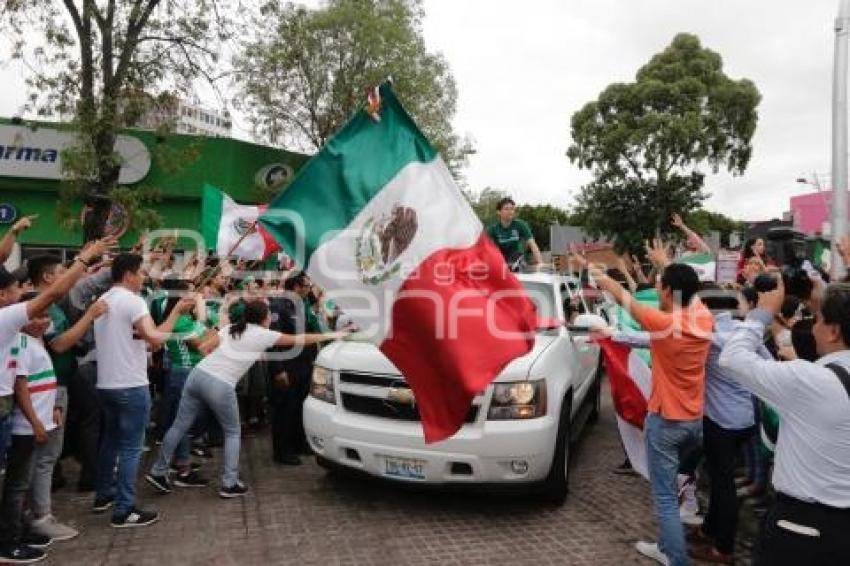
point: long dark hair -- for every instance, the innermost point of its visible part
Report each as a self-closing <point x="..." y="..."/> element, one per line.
<point x="748" y="249"/>
<point x="255" y="312"/>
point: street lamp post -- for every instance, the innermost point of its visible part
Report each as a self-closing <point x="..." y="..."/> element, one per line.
<point x="839" y="135"/>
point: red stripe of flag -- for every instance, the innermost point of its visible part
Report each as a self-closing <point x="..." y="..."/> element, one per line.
<point x="629" y="401"/>
<point x="43" y="387"/>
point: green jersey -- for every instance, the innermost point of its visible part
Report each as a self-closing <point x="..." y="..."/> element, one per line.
<point x="64" y="364"/>
<point x="183" y="355"/>
<point x="511" y="240"/>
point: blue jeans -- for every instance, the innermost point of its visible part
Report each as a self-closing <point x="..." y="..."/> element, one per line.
<point x="173" y="392"/>
<point x="666" y="443"/>
<point x="203" y="391"/>
<point x="125" y="417"/>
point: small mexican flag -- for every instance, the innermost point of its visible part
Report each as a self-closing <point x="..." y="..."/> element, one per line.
<point x="224" y="223"/>
<point x="379" y="222"/>
<point x="704" y="264"/>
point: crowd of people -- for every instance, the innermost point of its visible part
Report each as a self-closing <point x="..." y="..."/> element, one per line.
<point x="746" y="378"/>
<point x="91" y="347"/>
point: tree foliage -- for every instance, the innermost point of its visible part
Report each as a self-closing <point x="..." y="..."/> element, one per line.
<point x="104" y="63"/>
<point x="303" y="76"/>
<point x="646" y="141"/>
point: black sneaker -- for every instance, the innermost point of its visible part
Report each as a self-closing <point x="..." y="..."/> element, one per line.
<point x="101" y="504"/>
<point x="21" y="554"/>
<point x="135" y="518"/>
<point x="194" y="466"/>
<point x="236" y="490"/>
<point x="190" y="479"/>
<point x="159" y="482"/>
<point x="36" y="540"/>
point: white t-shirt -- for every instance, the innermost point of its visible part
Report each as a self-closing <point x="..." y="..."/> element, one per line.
<point x="122" y="359"/>
<point x="12" y="319"/>
<point x="234" y="356"/>
<point x="35" y="366"/>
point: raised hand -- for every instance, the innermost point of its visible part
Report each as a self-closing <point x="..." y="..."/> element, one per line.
<point x="676" y="220"/>
<point x="657" y="253"/>
<point x="24" y="223"/>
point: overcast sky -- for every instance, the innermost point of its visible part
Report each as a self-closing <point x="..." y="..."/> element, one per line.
<point x="523" y="68"/>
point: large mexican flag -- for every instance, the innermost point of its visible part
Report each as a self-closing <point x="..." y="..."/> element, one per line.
<point x="379" y="222"/>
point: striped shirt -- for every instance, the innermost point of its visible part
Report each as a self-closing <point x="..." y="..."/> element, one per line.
<point x="34" y="365"/>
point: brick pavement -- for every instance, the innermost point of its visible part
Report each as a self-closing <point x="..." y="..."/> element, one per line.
<point x="304" y="516"/>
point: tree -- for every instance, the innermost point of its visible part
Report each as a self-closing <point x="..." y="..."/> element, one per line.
<point x="105" y="63"/>
<point x="645" y="141"/>
<point x="300" y="82"/>
<point x="703" y="221"/>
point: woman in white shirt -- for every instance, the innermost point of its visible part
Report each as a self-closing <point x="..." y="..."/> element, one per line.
<point x="212" y="384"/>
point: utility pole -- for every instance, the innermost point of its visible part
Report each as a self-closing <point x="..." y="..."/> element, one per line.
<point x="839" y="136"/>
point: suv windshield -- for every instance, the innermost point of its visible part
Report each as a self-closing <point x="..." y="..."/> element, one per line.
<point x="543" y="297"/>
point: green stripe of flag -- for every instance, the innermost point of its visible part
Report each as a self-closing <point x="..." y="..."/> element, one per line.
<point x="211" y="203"/>
<point x="41" y="375"/>
<point x="338" y="182"/>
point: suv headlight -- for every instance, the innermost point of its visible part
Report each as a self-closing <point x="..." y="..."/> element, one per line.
<point x="518" y="400"/>
<point x="322" y="385"/>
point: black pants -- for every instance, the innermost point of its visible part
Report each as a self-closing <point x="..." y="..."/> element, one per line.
<point x="288" y="436"/>
<point x="15" y="488"/>
<point x="803" y="534"/>
<point x="721" y="452"/>
<point x="83" y="423"/>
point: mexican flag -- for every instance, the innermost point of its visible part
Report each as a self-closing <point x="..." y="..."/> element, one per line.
<point x="631" y="384"/>
<point x="224" y="223"/>
<point x="704" y="264"/>
<point x="379" y="222"/>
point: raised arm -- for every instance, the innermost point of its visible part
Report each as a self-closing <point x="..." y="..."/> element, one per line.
<point x="157" y="335"/>
<point x="9" y="239"/>
<point x="290" y="340"/>
<point x="63" y="284"/>
<point x="67" y="339"/>
<point x="690" y="234"/>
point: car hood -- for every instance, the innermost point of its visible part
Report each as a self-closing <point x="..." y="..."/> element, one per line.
<point x="363" y="357"/>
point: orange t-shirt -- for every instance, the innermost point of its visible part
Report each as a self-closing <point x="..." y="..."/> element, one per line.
<point x="679" y="344"/>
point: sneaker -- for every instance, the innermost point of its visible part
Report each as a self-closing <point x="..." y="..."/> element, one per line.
<point x="190" y="479"/>
<point x="135" y="518"/>
<point x="101" y="504"/>
<point x="650" y="550"/>
<point x="236" y="490"/>
<point x="161" y="483"/>
<point x="688" y="504"/>
<point x="50" y="527"/>
<point x="21" y="554"/>
<point x="35" y="540"/>
<point x="194" y="466"/>
<point x="710" y="554"/>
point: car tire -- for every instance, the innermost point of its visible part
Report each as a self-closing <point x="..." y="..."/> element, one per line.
<point x="557" y="483"/>
<point x="596" y="397"/>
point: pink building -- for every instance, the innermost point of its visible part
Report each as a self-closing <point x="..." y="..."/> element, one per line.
<point x="811" y="212"/>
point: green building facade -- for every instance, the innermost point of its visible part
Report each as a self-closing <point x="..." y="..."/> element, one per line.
<point x="179" y="167"/>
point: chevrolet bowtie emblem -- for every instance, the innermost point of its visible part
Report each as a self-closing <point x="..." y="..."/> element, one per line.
<point x="401" y="395"/>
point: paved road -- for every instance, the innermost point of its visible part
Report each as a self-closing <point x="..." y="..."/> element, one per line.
<point x="305" y="516"/>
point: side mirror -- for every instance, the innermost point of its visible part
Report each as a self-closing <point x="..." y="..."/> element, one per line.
<point x="584" y="323"/>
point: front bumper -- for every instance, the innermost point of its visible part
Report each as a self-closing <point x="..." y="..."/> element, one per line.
<point x="500" y="452"/>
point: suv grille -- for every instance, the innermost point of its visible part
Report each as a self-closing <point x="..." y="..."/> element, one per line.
<point x="390" y="409"/>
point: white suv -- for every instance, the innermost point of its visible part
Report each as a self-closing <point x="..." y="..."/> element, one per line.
<point x="361" y="415"/>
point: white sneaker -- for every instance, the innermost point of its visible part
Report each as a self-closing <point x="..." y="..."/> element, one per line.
<point x="650" y="550"/>
<point x="688" y="503"/>
<point x="48" y="526"/>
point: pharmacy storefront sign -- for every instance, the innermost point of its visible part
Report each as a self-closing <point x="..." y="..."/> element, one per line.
<point x="36" y="153"/>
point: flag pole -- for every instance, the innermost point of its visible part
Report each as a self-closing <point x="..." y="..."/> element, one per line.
<point x="217" y="268"/>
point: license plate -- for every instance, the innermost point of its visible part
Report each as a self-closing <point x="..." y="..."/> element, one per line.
<point x="407" y="468"/>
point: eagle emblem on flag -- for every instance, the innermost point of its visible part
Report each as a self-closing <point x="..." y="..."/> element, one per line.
<point x="381" y="242"/>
